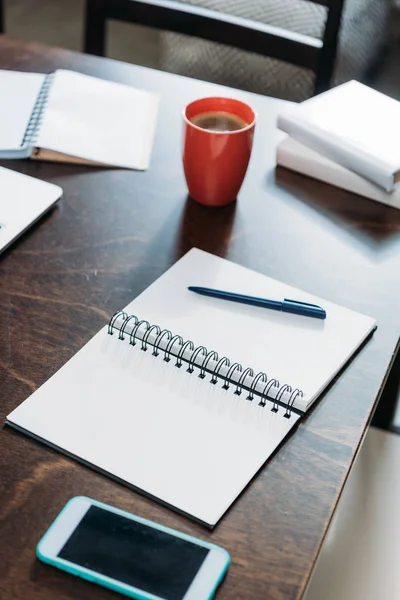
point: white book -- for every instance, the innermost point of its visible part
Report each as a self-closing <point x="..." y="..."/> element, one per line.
<point x="353" y="125"/>
<point x="70" y="117"/>
<point x="23" y="200"/>
<point x="156" y="404"/>
<point x="297" y="157"/>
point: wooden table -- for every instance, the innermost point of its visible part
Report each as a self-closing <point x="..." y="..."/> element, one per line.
<point x="114" y="232"/>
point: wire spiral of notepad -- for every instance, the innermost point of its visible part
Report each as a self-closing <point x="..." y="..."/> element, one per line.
<point x="36" y="117"/>
<point x="269" y="391"/>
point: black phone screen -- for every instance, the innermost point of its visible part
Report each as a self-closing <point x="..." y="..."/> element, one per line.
<point x="133" y="553"/>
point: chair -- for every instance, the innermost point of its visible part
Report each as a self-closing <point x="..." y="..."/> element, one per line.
<point x="215" y="26"/>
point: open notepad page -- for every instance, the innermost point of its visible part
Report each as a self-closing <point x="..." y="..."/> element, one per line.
<point x="166" y="431"/>
<point x="18" y="94"/>
<point x="97" y="121"/>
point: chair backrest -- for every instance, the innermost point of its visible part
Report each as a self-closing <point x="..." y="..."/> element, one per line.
<point x="302" y="50"/>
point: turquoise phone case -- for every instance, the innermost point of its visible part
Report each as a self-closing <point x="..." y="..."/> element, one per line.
<point x="113" y="584"/>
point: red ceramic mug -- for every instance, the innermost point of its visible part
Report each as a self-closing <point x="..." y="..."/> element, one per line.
<point x="215" y="162"/>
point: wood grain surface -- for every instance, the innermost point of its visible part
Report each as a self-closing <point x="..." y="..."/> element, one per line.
<point x="113" y="234"/>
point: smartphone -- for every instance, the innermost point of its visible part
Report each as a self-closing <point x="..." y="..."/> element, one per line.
<point x="131" y="555"/>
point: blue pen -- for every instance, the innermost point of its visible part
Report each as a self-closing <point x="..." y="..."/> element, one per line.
<point x="290" y="306"/>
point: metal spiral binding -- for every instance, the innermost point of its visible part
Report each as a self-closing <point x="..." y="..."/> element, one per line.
<point x="163" y="341"/>
<point x="32" y="129"/>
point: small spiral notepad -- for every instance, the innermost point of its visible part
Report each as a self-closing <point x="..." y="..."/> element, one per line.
<point x="185" y="397"/>
<point x="70" y="117"/>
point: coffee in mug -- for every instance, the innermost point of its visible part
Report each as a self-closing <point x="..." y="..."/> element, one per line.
<point x="219" y="121"/>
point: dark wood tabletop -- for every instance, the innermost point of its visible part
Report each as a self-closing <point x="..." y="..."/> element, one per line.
<point x="114" y="233"/>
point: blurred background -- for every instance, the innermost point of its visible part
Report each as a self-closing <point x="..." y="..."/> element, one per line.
<point x="369" y="42"/>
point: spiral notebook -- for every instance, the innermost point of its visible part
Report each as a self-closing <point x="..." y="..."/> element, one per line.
<point x="185" y="397"/>
<point x="70" y="117"/>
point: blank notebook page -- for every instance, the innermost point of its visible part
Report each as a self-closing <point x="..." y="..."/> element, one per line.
<point x="167" y="432"/>
<point x="18" y="94"/>
<point x="97" y="120"/>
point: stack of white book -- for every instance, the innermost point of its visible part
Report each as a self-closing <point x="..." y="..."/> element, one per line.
<point x="348" y="137"/>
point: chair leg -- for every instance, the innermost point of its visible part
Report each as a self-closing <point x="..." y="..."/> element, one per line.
<point x="1" y="17"/>
<point x="390" y="397"/>
<point x="94" y="28"/>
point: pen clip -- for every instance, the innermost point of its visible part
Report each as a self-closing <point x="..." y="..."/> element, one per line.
<point x="302" y="303"/>
<point x="303" y="308"/>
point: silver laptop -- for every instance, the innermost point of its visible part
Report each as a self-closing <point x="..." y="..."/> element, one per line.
<point x="23" y="200"/>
